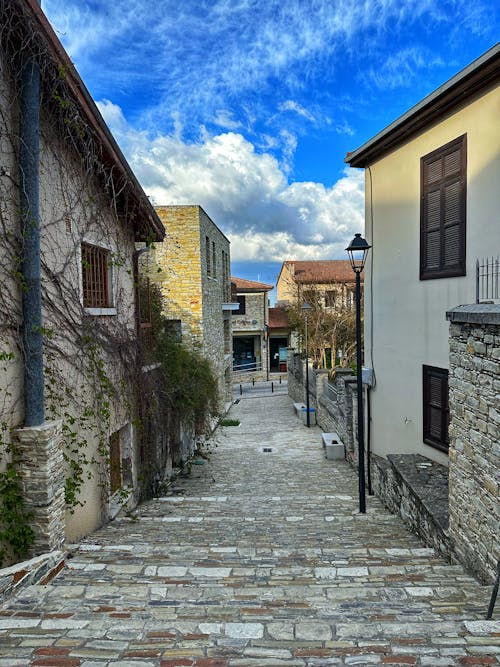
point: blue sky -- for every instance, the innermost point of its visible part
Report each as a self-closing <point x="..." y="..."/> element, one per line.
<point x="248" y="107"/>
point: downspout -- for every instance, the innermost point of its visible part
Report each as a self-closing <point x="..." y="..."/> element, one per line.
<point x="29" y="151"/>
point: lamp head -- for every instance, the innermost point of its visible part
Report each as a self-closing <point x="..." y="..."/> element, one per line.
<point x="358" y="252"/>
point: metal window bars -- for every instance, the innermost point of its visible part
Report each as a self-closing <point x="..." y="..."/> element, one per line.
<point x="487" y="280"/>
<point x="95" y="276"/>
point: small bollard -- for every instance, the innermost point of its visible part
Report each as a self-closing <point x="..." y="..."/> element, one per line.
<point x="272" y="387"/>
<point x="241" y="390"/>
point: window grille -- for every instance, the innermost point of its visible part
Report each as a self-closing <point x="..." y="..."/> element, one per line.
<point x="95" y="276"/>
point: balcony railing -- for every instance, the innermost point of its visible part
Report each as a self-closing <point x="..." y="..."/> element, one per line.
<point x="487" y="281"/>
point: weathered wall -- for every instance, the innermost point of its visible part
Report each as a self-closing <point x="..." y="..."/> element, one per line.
<point x="474" y="475"/>
<point x="86" y="356"/>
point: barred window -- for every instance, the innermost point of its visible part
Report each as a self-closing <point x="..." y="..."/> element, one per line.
<point x="95" y="277"/>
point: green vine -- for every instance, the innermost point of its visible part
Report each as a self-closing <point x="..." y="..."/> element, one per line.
<point x="15" y="530"/>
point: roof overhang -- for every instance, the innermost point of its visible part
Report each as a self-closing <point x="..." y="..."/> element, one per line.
<point x="147" y="225"/>
<point x="479" y="76"/>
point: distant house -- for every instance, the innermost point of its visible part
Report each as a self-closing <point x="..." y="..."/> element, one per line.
<point x="71" y="214"/>
<point x="194" y="267"/>
<point x="329" y="287"/>
<point x="333" y="280"/>
<point x="250" y="328"/>
<point x="432" y="211"/>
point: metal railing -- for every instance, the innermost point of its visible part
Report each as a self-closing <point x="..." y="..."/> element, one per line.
<point x="487" y="280"/>
<point x="250" y="367"/>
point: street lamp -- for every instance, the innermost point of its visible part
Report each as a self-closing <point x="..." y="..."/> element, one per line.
<point x="306" y="307"/>
<point x="358" y="251"/>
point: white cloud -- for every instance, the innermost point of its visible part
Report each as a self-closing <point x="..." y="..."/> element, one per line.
<point x="290" y="105"/>
<point x="199" y="58"/>
<point x="401" y="69"/>
<point x="245" y="192"/>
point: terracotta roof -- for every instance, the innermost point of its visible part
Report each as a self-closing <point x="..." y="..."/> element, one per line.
<point x="146" y="223"/>
<point x="278" y="318"/>
<point x="243" y="285"/>
<point x="323" y="271"/>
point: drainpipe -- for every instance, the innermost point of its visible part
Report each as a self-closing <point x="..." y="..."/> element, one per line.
<point x="29" y="131"/>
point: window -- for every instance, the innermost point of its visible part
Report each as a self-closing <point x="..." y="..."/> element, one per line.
<point x="242" y="309"/>
<point x="214" y="261"/>
<point x="330" y="299"/>
<point x="442" y="211"/>
<point x="207" y="255"/>
<point x="436" y="410"/>
<point x="96" y="281"/>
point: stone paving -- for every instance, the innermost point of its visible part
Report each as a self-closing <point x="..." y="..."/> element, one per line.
<point x="258" y="559"/>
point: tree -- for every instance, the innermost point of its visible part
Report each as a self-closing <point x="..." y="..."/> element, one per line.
<point x="329" y="329"/>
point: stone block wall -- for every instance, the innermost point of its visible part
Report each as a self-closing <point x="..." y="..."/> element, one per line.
<point x="474" y="476"/>
<point x="194" y="260"/>
<point x="296" y="377"/>
<point x="337" y="408"/>
<point x="333" y="399"/>
<point x="39" y="452"/>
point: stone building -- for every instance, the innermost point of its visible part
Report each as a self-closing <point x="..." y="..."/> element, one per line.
<point x="194" y="269"/>
<point x="333" y="280"/>
<point x="71" y="214"/>
<point x="329" y="287"/>
<point x="250" y="329"/>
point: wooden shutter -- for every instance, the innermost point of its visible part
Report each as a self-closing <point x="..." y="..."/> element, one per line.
<point x="436" y="415"/>
<point x="443" y="211"/>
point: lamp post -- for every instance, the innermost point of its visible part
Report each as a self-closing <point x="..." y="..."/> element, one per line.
<point x="306" y="307"/>
<point x="358" y="251"/>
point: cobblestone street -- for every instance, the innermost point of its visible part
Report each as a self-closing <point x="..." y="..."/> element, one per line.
<point x="258" y="559"/>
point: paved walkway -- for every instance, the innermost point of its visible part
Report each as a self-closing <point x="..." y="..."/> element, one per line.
<point x="259" y="559"/>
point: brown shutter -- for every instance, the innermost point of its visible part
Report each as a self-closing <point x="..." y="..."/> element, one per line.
<point x="443" y="211"/>
<point x="435" y="407"/>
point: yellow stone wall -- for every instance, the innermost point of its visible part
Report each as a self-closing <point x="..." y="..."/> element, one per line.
<point x="179" y="277"/>
<point x="194" y="287"/>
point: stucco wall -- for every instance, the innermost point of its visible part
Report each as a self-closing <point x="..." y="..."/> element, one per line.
<point x="405" y="325"/>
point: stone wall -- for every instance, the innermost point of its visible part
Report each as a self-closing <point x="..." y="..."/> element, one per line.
<point x="194" y="263"/>
<point x="474" y="475"/>
<point x="334" y="399"/>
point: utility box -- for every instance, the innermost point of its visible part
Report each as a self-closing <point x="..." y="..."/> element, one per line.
<point x="367" y="376"/>
<point x="334" y="447"/>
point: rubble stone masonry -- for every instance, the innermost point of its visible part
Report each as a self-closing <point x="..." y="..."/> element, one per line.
<point x="474" y="477"/>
